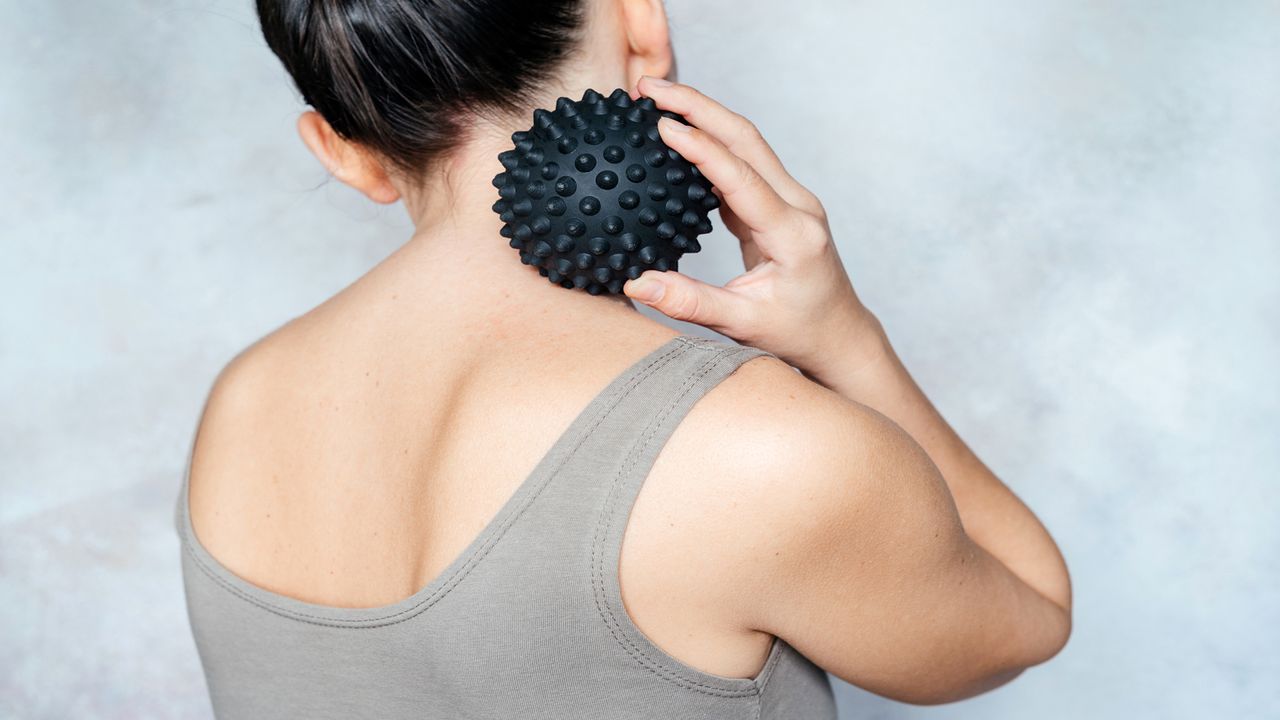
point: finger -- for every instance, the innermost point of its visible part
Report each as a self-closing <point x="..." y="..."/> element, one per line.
<point x="680" y="297"/>
<point x="736" y="132"/>
<point x="749" y="196"/>
<point x="751" y="255"/>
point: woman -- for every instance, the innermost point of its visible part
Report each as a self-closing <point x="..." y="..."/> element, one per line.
<point x="411" y="501"/>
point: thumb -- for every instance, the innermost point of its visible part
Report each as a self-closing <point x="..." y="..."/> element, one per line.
<point x="680" y="297"/>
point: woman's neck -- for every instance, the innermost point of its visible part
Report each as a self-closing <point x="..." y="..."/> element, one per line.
<point x="458" y="263"/>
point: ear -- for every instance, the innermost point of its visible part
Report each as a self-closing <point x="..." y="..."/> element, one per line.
<point x="345" y="160"/>
<point x="648" y="40"/>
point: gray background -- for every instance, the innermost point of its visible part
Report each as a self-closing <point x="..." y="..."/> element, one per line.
<point x="1067" y="213"/>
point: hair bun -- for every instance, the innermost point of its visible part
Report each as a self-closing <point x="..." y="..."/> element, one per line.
<point x="591" y="196"/>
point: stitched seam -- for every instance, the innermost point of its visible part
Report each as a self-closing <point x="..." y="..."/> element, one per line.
<point x="597" y="556"/>
<point x="775" y="657"/>
<point x="698" y="343"/>
<point x="771" y="664"/>
<point x="606" y="612"/>
<point x="461" y="572"/>
<point x="605" y="524"/>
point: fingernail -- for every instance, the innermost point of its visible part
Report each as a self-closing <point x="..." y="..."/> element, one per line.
<point x="646" y="290"/>
<point x="659" y="82"/>
<point x="670" y="124"/>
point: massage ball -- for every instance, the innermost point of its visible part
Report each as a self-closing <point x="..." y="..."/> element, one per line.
<point x="591" y="196"/>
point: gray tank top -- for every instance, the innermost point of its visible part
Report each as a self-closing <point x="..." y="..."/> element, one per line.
<point x="527" y="622"/>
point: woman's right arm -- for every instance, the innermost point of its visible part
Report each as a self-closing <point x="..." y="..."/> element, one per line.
<point x="916" y="572"/>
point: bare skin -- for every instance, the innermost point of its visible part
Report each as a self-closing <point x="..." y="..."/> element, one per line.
<point x="348" y="457"/>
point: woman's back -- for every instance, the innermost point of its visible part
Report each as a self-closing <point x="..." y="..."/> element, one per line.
<point x="375" y="415"/>
<point x="396" y="520"/>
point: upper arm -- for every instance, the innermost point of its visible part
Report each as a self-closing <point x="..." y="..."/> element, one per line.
<point x="862" y="563"/>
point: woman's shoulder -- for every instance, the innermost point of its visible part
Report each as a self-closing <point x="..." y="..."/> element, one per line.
<point x="307" y="355"/>
<point x="256" y="383"/>
<point x="765" y="438"/>
<point x="280" y="403"/>
<point x="767" y="416"/>
<point x="767" y="462"/>
<point x="247" y="401"/>
<point x="797" y="458"/>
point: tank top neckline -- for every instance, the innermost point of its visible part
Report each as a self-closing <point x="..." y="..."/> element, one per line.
<point x="560" y="451"/>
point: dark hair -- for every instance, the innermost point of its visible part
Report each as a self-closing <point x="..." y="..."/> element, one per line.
<point x="401" y="76"/>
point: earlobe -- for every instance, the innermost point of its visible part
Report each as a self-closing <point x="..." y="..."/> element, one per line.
<point x="382" y="190"/>
<point x="369" y="176"/>
<point x="648" y="39"/>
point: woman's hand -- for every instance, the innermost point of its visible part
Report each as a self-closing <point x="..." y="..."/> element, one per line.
<point x="795" y="299"/>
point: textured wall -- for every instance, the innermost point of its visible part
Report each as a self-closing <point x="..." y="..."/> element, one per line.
<point x="1067" y="214"/>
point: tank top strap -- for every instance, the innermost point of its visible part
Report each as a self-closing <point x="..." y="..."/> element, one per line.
<point x="642" y="421"/>
<point x="609" y="451"/>
<point x="578" y="524"/>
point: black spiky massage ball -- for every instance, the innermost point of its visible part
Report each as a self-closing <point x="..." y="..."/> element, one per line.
<point x="591" y="196"/>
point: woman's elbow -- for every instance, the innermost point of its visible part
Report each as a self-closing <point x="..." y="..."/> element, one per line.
<point x="977" y="674"/>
